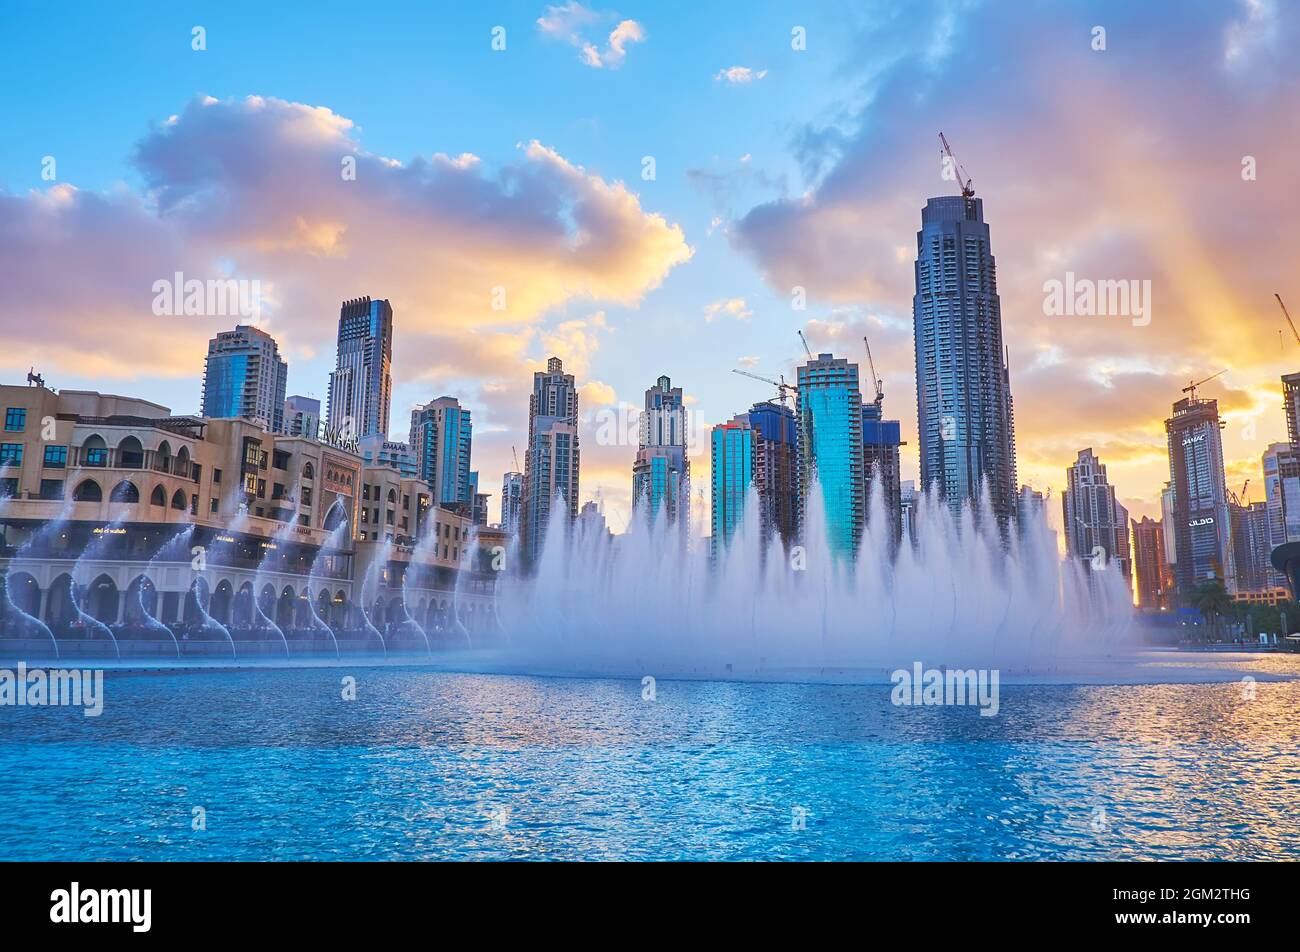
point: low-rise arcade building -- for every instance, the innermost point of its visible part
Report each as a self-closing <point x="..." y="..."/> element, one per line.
<point x="122" y="523"/>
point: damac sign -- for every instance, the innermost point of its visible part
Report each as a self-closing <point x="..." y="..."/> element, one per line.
<point x="1207" y="521"/>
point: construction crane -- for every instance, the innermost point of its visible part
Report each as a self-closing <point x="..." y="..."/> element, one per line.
<point x="1240" y="499"/>
<point x="516" y="456"/>
<point x="785" y="389"/>
<point x="1288" y="316"/>
<point x="804" y="341"/>
<point x="1191" y="387"/>
<point x="880" y="384"/>
<point x="967" y="184"/>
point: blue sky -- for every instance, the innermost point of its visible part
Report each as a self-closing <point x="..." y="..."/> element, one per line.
<point x="837" y="144"/>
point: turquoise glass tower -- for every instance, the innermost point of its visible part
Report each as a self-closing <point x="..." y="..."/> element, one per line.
<point x="829" y="414"/>
<point x="732" y="458"/>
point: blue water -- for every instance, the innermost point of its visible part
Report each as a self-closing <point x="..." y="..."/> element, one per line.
<point x="428" y="765"/>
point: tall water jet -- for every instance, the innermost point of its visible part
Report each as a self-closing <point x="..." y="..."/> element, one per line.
<point x="102" y="539"/>
<point x="425" y="548"/>
<point x="464" y="569"/>
<point x="18" y="623"/>
<point x="957" y="591"/>
<point x="332" y="545"/>
<point x="370" y="591"/>
<point x="167" y="552"/>
<point x="273" y="550"/>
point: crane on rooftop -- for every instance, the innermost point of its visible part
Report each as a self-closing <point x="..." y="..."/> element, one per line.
<point x="1294" y="332"/>
<point x="783" y="388"/>
<point x="1191" y="387"/>
<point x="803" y="340"/>
<point x="880" y="384"/>
<point x="967" y="184"/>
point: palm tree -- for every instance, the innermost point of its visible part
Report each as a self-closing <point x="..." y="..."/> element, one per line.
<point x="1211" y="599"/>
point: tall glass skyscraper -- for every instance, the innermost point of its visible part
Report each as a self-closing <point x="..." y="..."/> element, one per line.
<point x="1202" y="536"/>
<point x="551" y="461"/>
<point x="830" y="447"/>
<point x="442" y="436"/>
<point x="245" y="377"/>
<point x="361" y="386"/>
<point x="963" y="391"/>
<point x="661" y="474"/>
<point x="1282" y="497"/>
<point x="512" y="498"/>
<point x="1094" y="517"/>
<point x="731" y="447"/>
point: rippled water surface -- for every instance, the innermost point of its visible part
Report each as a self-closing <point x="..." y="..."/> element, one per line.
<point x="432" y="765"/>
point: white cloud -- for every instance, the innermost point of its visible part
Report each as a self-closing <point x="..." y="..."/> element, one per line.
<point x="727" y="307"/>
<point x="570" y="22"/>
<point x="740" y="75"/>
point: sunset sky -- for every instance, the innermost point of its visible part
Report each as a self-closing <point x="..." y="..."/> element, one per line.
<point x="774" y="167"/>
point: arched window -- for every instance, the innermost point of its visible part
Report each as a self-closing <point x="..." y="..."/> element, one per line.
<point x="130" y="454"/>
<point x="182" y="465"/>
<point x="94" y="452"/>
<point x="125" y="491"/>
<point x="392" y="496"/>
<point x="88" y="491"/>
<point x="158" y="497"/>
<point x="308" y="471"/>
<point x="178" y="500"/>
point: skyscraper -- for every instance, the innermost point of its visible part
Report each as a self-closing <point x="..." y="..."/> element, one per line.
<point x="963" y="390"/>
<point x="907" y="497"/>
<point x="1291" y="403"/>
<point x="302" y="416"/>
<point x="776" y="468"/>
<point x="829" y="413"/>
<point x="1250" y="545"/>
<point x="551" y="461"/>
<point x="479" y="501"/>
<point x="1167" y="521"/>
<point x="731" y="448"/>
<point x="1282" y="500"/>
<point x="361" y="386"/>
<point x="1094" y="519"/>
<point x="512" y="498"/>
<point x="245" y="377"/>
<point x="1154" y="580"/>
<point x="1203" y="542"/>
<point x="661" y="473"/>
<point x="881" y="440"/>
<point x="442" y="437"/>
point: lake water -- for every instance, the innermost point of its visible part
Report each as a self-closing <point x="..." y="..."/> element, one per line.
<point x="428" y="764"/>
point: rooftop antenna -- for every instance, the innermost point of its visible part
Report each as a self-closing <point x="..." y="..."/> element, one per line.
<point x="34" y="378"/>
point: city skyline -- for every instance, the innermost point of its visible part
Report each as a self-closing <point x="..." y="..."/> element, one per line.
<point x="695" y="265"/>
